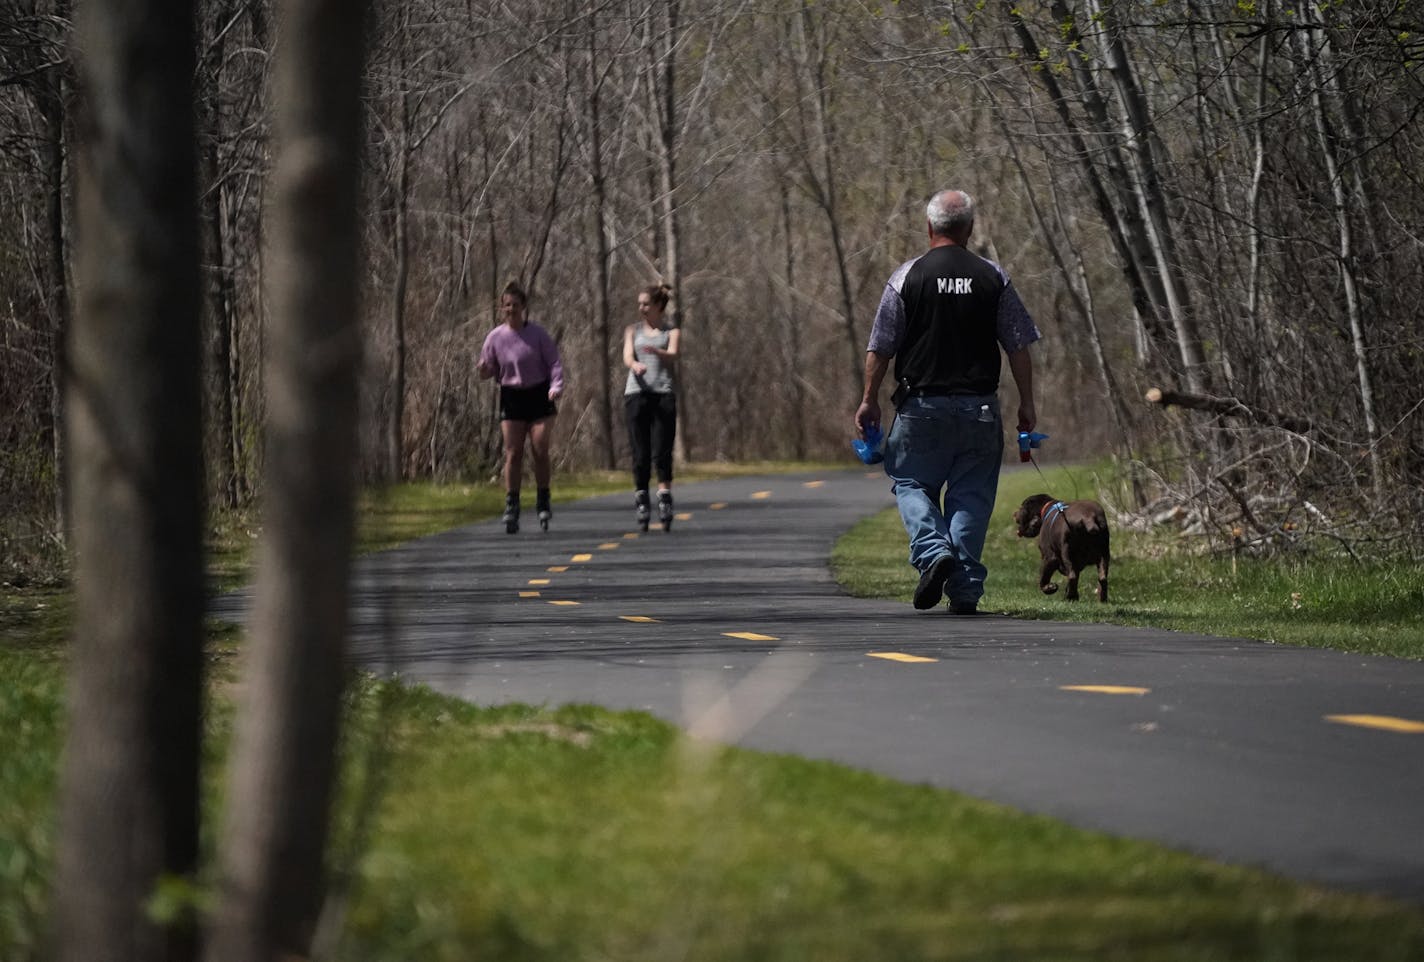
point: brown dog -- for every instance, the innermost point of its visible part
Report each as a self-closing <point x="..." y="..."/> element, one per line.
<point x="1071" y="536"/>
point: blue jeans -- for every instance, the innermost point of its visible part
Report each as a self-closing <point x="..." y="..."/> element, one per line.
<point x="942" y="444"/>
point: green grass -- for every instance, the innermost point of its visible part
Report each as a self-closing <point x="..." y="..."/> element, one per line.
<point x="529" y="835"/>
<point x="571" y="834"/>
<point x="520" y="834"/>
<point x="1160" y="581"/>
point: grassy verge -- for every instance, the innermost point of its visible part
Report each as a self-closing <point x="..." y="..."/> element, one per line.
<point x="577" y="834"/>
<point x="581" y="834"/>
<point x="1329" y="603"/>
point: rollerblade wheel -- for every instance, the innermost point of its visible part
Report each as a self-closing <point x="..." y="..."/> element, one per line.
<point x="511" y="527"/>
<point x="667" y="524"/>
<point x="643" y="523"/>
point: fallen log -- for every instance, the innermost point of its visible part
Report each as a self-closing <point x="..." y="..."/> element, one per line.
<point x="1229" y="407"/>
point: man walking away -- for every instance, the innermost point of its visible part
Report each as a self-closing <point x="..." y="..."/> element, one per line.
<point x="944" y="317"/>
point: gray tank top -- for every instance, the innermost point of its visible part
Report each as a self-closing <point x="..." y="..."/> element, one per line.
<point x="658" y="377"/>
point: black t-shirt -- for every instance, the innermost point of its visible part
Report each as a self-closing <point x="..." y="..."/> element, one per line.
<point x="951" y="299"/>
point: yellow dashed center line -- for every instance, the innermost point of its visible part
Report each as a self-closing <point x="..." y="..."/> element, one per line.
<point x="717" y="506"/>
<point x="608" y="546"/>
<point x="631" y="535"/>
<point x="684" y="516"/>
<point x="540" y="581"/>
<point x="750" y="636"/>
<point x="1106" y="689"/>
<point x="565" y="604"/>
<point x="1381" y="722"/>
<point x="529" y="594"/>
<point x="899" y="656"/>
<point x="581" y="557"/>
<point x="639" y="619"/>
<point x="558" y="569"/>
<point x="760" y="495"/>
<point x="813" y="484"/>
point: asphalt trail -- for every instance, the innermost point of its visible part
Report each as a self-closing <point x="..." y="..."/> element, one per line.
<point x="732" y="626"/>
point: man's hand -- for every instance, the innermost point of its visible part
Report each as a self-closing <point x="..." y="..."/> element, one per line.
<point x="1028" y="419"/>
<point x="485" y="369"/>
<point x="869" y="411"/>
<point x="1021" y="366"/>
<point x="866" y="415"/>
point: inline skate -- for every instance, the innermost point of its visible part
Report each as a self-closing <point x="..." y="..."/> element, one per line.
<point x="541" y="505"/>
<point x="665" y="509"/>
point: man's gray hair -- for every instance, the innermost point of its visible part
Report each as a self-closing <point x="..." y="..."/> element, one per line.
<point x="949" y="212"/>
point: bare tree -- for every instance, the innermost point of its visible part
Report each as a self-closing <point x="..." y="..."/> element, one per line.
<point x="284" y="759"/>
<point x="129" y="806"/>
<point x="32" y="58"/>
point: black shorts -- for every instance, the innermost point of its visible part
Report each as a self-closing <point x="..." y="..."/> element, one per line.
<point x="525" y="403"/>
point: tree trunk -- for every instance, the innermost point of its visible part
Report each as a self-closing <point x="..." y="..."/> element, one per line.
<point x="1075" y="281"/>
<point x="602" y="253"/>
<point x="822" y="172"/>
<point x="395" y="426"/>
<point x="1148" y="191"/>
<point x="56" y="123"/>
<point x="1345" y="258"/>
<point x="217" y="289"/>
<point x="797" y="400"/>
<point x="1104" y="170"/>
<point x="662" y="94"/>
<point x="129" y="801"/>
<point x="272" y="847"/>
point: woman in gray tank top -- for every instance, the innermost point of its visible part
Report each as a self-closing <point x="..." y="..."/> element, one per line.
<point x="650" y="353"/>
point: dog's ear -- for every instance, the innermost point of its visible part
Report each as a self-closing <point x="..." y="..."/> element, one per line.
<point x="1029" y="516"/>
<point x="1026" y="518"/>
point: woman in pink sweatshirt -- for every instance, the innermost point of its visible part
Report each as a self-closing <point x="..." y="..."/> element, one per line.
<point x="525" y="360"/>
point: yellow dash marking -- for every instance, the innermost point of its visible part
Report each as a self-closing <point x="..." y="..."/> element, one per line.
<point x="582" y="557"/>
<point x="540" y="581"/>
<point x="814" y="484"/>
<point x="684" y="516"/>
<point x="1382" y="722"/>
<point x="565" y="604"/>
<point x="608" y="546"/>
<point x="898" y="656"/>
<point x="1107" y="689"/>
<point x="529" y="594"/>
<point x="750" y="636"/>
<point x="631" y="535"/>
<point x="639" y="619"/>
<point x="717" y="506"/>
<point x="558" y="569"/>
<point x="760" y="495"/>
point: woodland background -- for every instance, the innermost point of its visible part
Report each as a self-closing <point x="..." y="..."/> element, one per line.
<point x="248" y="251"/>
<point x="1219" y="199"/>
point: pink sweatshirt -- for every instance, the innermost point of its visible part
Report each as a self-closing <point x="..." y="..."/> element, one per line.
<point x="523" y="358"/>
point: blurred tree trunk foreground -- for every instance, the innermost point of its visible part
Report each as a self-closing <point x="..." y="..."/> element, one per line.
<point x="130" y="792"/>
<point x="129" y="806"/>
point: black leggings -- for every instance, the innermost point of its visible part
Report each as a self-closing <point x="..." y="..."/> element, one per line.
<point x="652" y="424"/>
